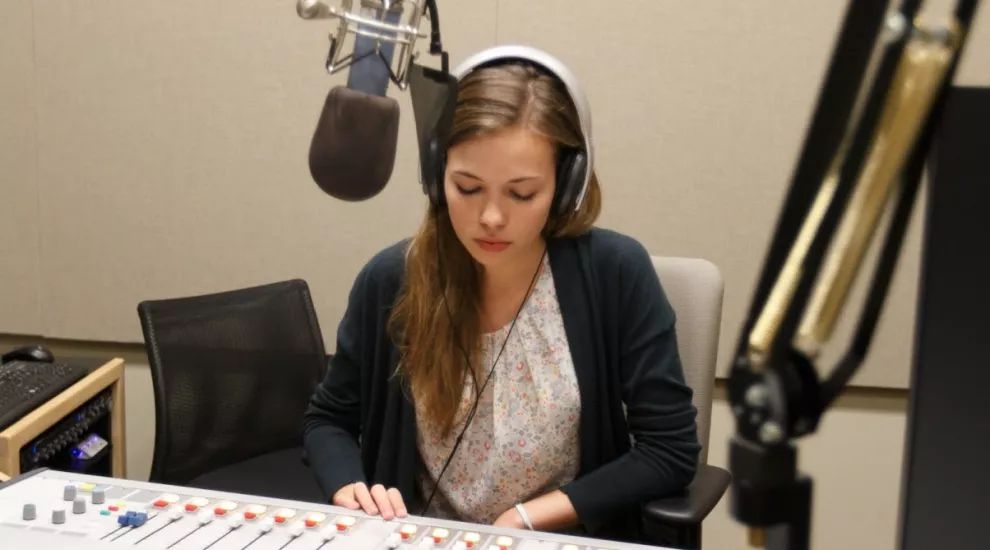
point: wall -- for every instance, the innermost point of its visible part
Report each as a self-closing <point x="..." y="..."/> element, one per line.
<point x="160" y="151"/>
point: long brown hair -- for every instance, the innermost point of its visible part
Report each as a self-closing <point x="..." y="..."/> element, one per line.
<point x="432" y="341"/>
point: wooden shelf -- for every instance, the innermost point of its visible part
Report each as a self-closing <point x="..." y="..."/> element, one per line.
<point x="33" y="424"/>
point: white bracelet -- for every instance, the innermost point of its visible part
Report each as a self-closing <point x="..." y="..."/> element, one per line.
<point x="524" y="516"/>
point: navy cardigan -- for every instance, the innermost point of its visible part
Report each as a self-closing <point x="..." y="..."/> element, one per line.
<point x="638" y="436"/>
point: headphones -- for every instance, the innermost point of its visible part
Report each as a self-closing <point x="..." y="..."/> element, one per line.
<point x="574" y="168"/>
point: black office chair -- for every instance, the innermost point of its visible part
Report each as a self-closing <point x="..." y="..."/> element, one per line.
<point x="232" y="374"/>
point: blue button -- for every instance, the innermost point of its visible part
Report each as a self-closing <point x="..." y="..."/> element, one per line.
<point x="139" y="519"/>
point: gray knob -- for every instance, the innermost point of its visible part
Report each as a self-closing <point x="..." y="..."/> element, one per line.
<point x="70" y="493"/>
<point x="79" y="506"/>
<point x="58" y="515"/>
<point x="30" y="512"/>
<point x="99" y="495"/>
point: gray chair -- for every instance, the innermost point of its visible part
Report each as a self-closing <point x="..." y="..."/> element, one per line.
<point x="695" y="289"/>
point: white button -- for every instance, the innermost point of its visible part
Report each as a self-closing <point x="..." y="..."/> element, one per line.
<point x="256" y="509"/>
<point x="204" y="517"/>
<point x="235" y="521"/>
<point x="393" y="541"/>
<point x="345" y="522"/>
<point x="328" y="533"/>
<point x="407" y="530"/>
<point x="266" y="525"/>
<point x="296" y="529"/>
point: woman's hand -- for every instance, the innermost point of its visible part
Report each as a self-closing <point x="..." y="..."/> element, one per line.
<point x="356" y="496"/>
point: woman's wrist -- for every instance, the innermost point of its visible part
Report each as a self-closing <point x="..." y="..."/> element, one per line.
<point x="524" y="520"/>
<point x="548" y="512"/>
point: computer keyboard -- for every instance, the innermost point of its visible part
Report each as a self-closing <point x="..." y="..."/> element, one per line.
<point x="25" y="385"/>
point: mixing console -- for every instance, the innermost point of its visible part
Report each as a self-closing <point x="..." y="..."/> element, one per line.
<point x="46" y="508"/>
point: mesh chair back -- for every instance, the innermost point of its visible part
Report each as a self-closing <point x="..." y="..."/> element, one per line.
<point x="232" y="374"/>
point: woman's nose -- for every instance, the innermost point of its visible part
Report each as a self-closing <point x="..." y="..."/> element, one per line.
<point x="492" y="215"/>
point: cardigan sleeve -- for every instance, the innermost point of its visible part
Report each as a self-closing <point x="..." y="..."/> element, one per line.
<point x="659" y="412"/>
<point x="332" y="422"/>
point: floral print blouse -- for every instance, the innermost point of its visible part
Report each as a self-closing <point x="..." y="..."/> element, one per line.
<point x="523" y="440"/>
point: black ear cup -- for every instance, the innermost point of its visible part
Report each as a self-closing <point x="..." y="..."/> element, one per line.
<point x="433" y="172"/>
<point x="570" y="177"/>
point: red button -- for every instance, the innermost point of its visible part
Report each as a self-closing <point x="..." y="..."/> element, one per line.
<point x="191" y="507"/>
<point x="220" y="511"/>
<point x="310" y="523"/>
<point x="161" y="504"/>
<point x="249" y="515"/>
<point x="279" y="519"/>
<point x="114" y="508"/>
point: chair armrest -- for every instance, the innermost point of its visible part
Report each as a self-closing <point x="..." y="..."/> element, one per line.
<point x="692" y="505"/>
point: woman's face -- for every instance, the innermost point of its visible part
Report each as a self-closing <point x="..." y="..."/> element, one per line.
<point x="499" y="189"/>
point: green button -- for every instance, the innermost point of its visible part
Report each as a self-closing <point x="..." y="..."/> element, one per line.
<point x="104" y="512"/>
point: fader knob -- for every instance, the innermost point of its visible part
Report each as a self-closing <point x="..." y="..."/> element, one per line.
<point x="69" y="494"/>
<point x="296" y="529"/>
<point x="99" y="495"/>
<point x="79" y="506"/>
<point x="58" y="515"/>
<point x="30" y="512"/>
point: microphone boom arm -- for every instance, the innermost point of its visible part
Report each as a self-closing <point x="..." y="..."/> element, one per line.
<point x="855" y="162"/>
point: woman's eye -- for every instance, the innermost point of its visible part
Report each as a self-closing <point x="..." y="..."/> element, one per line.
<point x="467" y="191"/>
<point x="523" y="197"/>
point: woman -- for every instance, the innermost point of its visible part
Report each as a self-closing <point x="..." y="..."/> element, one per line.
<point x="509" y="349"/>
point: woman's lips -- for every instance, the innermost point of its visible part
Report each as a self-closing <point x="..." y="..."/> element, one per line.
<point x="492" y="246"/>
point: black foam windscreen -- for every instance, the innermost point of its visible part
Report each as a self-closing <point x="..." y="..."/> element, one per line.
<point x="352" y="153"/>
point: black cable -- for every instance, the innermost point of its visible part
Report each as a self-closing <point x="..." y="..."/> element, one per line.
<point x="435" y="45"/>
<point x="478" y="392"/>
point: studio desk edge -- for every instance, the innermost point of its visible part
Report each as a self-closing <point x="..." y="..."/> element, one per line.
<point x="110" y="374"/>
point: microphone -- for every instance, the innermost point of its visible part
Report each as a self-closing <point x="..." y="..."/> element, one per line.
<point x="352" y="152"/>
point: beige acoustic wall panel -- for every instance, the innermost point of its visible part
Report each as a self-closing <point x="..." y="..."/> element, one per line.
<point x="173" y="144"/>
<point x="699" y="111"/>
<point x="19" y="208"/>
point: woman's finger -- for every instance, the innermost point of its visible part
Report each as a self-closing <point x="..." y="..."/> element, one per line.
<point x="345" y="497"/>
<point x="363" y="497"/>
<point x="380" y="497"/>
<point x="398" y="505"/>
